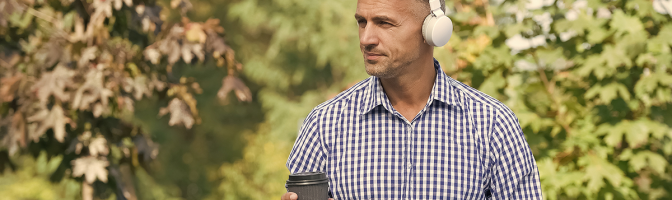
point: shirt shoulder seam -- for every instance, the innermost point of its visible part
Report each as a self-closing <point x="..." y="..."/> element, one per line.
<point x="343" y="96"/>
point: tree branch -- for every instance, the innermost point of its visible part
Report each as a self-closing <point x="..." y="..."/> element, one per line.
<point x="489" y="19"/>
<point x="550" y="89"/>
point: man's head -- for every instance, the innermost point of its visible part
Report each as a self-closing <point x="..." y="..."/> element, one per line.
<point x="390" y="35"/>
<point x="425" y="5"/>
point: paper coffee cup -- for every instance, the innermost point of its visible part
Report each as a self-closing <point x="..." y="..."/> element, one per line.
<point x="309" y="185"/>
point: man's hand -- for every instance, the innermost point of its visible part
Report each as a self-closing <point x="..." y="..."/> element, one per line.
<point x="292" y="196"/>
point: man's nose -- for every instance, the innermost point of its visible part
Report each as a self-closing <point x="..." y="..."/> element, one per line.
<point x="368" y="35"/>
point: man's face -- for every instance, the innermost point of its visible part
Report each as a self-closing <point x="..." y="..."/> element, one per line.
<point x="390" y="35"/>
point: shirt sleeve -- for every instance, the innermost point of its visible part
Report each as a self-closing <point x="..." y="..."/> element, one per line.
<point x="308" y="153"/>
<point x="514" y="169"/>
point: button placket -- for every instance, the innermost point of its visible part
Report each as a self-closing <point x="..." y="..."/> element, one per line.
<point x="405" y="158"/>
<point x="409" y="163"/>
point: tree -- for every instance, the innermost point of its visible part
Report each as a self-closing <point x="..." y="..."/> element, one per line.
<point x="72" y="71"/>
<point x="589" y="81"/>
<point x="299" y="53"/>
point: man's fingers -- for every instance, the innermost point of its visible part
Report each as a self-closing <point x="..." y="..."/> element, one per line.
<point x="290" y="196"/>
<point x="293" y="196"/>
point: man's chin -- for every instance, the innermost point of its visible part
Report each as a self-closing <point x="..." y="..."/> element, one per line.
<point x="370" y="68"/>
<point x="377" y="70"/>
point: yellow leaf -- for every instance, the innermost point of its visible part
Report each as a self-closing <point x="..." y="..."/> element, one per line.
<point x="195" y="33"/>
<point x="91" y="167"/>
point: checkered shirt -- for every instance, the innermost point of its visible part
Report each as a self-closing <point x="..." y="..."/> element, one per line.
<point x="463" y="144"/>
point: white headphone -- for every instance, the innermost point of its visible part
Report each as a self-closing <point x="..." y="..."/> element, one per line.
<point x="437" y="27"/>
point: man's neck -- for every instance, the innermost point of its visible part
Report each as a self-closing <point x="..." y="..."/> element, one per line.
<point x="409" y="92"/>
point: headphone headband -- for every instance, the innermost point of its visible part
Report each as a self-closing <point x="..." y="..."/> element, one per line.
<point x="437" y="28"/>
<point x="435" y="6"/>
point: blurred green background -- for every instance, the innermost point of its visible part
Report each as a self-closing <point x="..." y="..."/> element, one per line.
<point x="590" y="81"/>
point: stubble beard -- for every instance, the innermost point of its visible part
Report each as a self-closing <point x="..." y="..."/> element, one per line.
<point x="387" y="68"/>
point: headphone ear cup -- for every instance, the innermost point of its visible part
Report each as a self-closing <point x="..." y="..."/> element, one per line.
<point x="437" y="30"/>
<point x="427" y="29"/>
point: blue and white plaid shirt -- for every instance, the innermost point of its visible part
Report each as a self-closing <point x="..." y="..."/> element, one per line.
<point x="463" y="145"/>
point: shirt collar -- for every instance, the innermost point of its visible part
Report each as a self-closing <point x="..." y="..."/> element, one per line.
<point x="441" y="91"/>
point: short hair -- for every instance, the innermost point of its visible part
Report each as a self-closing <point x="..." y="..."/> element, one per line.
<point x="426" y="4"/>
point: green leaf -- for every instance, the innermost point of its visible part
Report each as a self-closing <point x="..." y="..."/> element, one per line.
<point x="593" y="92"/>
<point x="594" y="64"/>
<point x="616" y="132"/>
<point x="492" y="84"/>
<point x="665" y="34"/>
<point x="595" y="4"/>
<point x="597" y="170"/>
<point x="658" y="163"/>
<point x="516" y="29"/>
<point x="645" y="85"/>
<point x="645" y="59"/>
<point x="615" y="57"/>
<point x="633" y="44"/>
<point x="490" y="31"/>
<point x="647" y="158"/>
<point x="555" y="130"/>
<point x="463" y="17"/>
<point x="642" y="7"/>
<point x="69" y="20"/>
<point x="664" y="94"/>
<point x="656" y="45"/>
<point x="597" y="35"/>
<point x="658" y="130"/>
<point x="638" y="161"/>
<point x="20" y="21"/>
<point x="623" y="23"/>
<point x="625" y="155"/>
<point x="667" y="148"/>
<point x="493" y="57"/>
<point x="549" y="56"/>
<point x="637" y="133"/>
<point x="608" y="93"/>
<point x="623" y="92"/>
<point x="613" y="138"/>
<point x="603" y="129"/>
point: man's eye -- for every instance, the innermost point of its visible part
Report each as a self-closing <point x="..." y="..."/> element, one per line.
<point x="385" y="23"/>
<point x="360" y="22"/>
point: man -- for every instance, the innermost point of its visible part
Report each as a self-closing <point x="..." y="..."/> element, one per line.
<point x="410" y="131"/>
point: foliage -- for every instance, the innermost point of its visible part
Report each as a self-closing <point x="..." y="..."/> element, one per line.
<point x="31" y="180"/>
<point x="590" y="82"/>
<point x="72" y="71"/>
<point x="588" y="79"/>
<point x="300" y="53"/>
